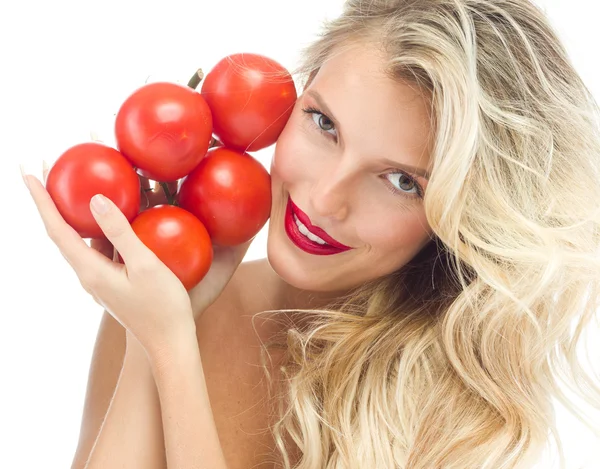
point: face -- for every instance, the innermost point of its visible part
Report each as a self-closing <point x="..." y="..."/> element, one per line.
<point x="348" y="177"/>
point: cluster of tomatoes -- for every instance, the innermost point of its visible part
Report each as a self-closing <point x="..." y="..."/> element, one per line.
<point x="194" y="141"/>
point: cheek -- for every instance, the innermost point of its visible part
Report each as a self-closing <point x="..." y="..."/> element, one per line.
<point x="290" y="163"/>
<point x="402" y="234"/>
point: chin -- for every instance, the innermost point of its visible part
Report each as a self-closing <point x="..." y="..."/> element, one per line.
<point x="295" y="273"/>
<point x="288" y="269"/>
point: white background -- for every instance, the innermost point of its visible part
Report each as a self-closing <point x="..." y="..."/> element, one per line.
<point x="65" y="67"/>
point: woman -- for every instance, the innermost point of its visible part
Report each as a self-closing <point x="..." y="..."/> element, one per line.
<point x="433" y="239"/>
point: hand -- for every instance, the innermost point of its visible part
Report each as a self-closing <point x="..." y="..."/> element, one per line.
<point x="149" y="197"/>
<point x="142" y="294"/>
<point x="225" y="259"/>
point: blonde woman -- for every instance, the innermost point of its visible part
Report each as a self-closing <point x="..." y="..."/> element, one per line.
<point x="432" y="265"/>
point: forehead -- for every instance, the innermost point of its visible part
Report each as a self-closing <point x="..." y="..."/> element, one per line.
<point x="379" y="115"/>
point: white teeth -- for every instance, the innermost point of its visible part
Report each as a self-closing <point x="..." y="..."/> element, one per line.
<point x="304" y="230"/>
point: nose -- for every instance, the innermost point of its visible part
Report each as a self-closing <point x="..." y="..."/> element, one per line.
<point x="330" y="195"/>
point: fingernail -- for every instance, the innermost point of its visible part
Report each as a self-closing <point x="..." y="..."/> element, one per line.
<point x="24" y="175"/>
<point x="94" y="137"/>
<point x="45" y="170"/>
<point x="99" y="204"/>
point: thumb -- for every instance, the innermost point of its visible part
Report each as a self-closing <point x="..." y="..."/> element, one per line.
<point x="230" y="256"/>
<point x="118" y="231"/>
<point x="226" y="260"/>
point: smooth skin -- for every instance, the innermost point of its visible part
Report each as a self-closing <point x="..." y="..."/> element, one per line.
<point x="176" y="380"/>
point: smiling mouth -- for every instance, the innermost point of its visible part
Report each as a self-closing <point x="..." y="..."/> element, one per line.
<point x="306" y="236"/>
<point x="304" y="230"/>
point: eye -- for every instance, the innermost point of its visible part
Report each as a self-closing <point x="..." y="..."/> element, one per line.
<point x="323" y="123"/>
<point x="405" y="184"/>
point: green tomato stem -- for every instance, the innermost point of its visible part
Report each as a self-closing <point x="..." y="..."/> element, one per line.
<point x="196" y="79"/>
<point x="193" y="83"/>
<point x="170" y="197"/>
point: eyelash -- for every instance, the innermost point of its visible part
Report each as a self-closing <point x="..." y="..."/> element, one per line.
<point x="310" y="111"/>
<point x="418" y="194"/>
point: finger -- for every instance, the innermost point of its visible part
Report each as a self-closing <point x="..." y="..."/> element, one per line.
<point x="225" y="262"/>
<point x="118" y="231"/>
<point x="73" y="248"/>
<point x="235" y="254"/>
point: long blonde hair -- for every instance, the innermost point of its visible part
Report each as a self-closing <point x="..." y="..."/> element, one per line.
<point x="453" y="361"/>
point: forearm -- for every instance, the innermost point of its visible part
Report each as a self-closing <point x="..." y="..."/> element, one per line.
<point x="105" y="367"/>
<point x="131" y="435"/>
<point x="191" y="439"/>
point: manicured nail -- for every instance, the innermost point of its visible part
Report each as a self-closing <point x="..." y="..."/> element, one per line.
<point x="99" y="204"/>
<point x="45" y="170"/>
<point x="24" y="175"/>
<point x="94" y="137"/>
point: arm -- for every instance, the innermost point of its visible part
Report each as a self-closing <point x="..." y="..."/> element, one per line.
<point x="105" y="370"/>
<point x="105" y="367"/>
<point x="131" y="435"/>
<point x="191" y="438"/>
<point x="148" y="299"/>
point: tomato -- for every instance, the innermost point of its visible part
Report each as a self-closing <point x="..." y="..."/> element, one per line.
<point x="164" y="129"/>
<point x="87" y="169"/>
<point x="230" y="192"/>
<point x="178" y="239"/>
<point x="251" y="98"/>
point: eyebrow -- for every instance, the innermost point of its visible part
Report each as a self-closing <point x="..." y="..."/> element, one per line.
<point x="319" y="99"/>
<point x="406" y="167"/>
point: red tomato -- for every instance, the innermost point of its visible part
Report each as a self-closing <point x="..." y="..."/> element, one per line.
<point x="230" y="192"/>
<point x="164" y="129"/>
<point x="251" y="98"/>
<point x="88" y="169"/>
<point x="178" y="239"/>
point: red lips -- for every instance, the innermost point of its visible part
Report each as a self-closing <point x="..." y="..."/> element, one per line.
<point x="302" y="241"/>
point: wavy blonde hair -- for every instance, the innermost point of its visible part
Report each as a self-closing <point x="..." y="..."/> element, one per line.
<point x="453" y="361"/>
